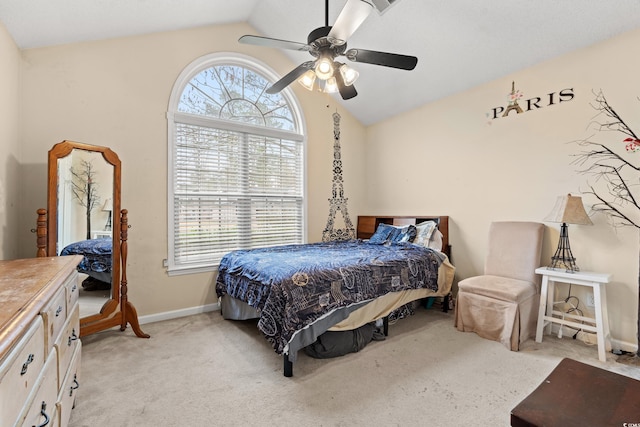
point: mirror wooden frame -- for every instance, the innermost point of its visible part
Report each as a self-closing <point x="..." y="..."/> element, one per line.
<point x="117" y="311"/>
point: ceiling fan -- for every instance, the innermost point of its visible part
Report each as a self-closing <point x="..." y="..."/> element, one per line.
<point x="327" y="43"/>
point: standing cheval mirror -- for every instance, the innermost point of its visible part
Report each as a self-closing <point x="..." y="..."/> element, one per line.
<point x="83" y="217"/>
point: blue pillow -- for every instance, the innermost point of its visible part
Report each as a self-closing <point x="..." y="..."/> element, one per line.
<point x="386" y="233"/>
<point x="408" y="234"/>
<point x="382" y="234"/>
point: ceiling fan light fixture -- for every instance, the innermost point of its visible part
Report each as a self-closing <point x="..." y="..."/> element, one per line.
<point x="324" y="68"/>
<point x="331" y="85"/>
<point x="349" y="75"/>
<point x="308" y="79"/>
<point x="325" y="44"/>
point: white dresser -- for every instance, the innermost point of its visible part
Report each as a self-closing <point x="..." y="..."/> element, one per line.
<point x="39" y="341"/>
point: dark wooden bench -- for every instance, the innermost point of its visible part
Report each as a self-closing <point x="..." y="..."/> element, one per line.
<point x="577" y="394"/>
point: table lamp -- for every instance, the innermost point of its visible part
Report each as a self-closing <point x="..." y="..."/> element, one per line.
<point x="568" y="210"/>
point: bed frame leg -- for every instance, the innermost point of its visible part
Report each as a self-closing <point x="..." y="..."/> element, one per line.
<point x="446" y="302"/>
<point x="385" y="326"/>
<point x="288" y="366"/>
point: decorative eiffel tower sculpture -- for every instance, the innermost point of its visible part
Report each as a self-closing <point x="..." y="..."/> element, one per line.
<point x="337" y="202"/>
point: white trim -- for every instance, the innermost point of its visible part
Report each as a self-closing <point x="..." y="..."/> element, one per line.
<point x="193" y="119"/>
<point x="176" y="314"/>
<point x="624" y="345"/>
<point x="305" y="200"/>
<point x="193" y="269"/>
<point x="615" y="343"/>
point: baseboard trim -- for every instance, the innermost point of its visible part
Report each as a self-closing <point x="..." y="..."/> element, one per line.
<point x="624" y="345"/>
<point x="615" y="343"/>
<point x="175" y="314"/>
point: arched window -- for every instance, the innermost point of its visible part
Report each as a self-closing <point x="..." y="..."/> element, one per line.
<point x="236" y="163"/>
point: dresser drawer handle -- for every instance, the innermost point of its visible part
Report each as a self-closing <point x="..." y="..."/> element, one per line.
<point x="44" y="414"/>
<point x="73" y="337"/>
<point x="75" y="384"/>
<point x="73" y="288"/>
<point x="25" y="365"/>
<point x="58" y="311"/>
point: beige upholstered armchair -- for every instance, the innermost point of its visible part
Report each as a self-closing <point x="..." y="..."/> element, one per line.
<point x="502" y="304"/>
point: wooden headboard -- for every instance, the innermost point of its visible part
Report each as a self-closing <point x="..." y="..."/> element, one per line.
<point x="367" y="225"/>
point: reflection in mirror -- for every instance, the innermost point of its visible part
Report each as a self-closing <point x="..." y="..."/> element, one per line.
<point x="85" y="192"/>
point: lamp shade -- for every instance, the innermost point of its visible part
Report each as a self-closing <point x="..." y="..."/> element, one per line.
<point x="324" y="68"/>
<point x="569" y="210"/>
<point x="349" y="75"/>
<point x="331" y="86"/>
<point x="108" y="206"/>
<point x="308" y="79"/>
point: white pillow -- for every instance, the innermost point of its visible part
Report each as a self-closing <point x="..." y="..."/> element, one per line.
<point x="435" y="242"/>
<point x="425" y="232"/>
<point x="429" y="236"/>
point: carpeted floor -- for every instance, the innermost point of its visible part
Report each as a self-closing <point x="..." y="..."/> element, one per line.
<point x="205" y="371"/>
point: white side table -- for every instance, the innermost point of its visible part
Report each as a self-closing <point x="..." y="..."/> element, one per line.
<point x="599" y="325"/>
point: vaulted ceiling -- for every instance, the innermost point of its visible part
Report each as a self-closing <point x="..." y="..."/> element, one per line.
<point x="459" y="43"/>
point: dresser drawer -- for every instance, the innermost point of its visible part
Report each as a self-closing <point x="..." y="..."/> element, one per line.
<point x="42" y="403"/>
<point x="68" y="341"/>
<point x="19" y="372"/>
<point x="73" y="291"/>
<point x="54" y="316"/>
<point x="70" y="388"/>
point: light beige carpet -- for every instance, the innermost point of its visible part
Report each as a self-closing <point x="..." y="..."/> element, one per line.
<point x="205" y="371"/>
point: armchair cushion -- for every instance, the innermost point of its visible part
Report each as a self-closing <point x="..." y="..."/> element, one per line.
<point x="502" y="288"/>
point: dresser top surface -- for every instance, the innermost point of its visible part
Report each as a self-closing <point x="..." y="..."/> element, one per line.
<point x="26" y="285"/>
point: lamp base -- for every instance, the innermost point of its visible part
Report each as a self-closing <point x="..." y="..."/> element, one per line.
<point x="563" y="258"/>
<point x="107" y="226"/>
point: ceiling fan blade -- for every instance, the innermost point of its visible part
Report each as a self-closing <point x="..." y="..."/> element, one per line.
<point x="277" y="43"/>
<point x="393" y="60"/>
<point x="346" y="92"/>
<point x="351" y="17"/>
<point x="291" y="77"/>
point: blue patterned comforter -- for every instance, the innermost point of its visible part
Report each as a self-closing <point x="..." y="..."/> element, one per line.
<point x="295" y="285"/>
<point x="96" y="252"/>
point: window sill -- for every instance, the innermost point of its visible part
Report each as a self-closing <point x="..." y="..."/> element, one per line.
<point x="180" y="271"/>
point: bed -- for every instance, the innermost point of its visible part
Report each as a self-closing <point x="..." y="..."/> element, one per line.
<point x="96" y="262"/>
<point x="299" y="292"/>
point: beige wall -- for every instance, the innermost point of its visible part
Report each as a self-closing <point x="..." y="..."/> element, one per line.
<point x="444" y="158"/>
<point x="449" y="158"/>
<point x="9" y="145"/>
<point x="115" y="93"/>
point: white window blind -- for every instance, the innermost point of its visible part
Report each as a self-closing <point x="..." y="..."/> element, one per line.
<point x="238" y="169"/>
